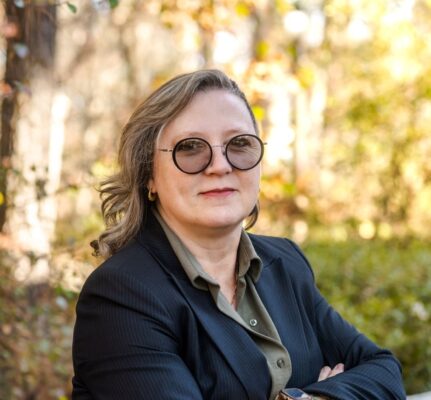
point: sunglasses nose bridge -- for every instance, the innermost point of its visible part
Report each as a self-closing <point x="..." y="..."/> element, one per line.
<point x="215" y="160"/>
<point x="222" y="147"/>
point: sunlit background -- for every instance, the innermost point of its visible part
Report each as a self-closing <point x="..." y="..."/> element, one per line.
<point x="341" y="90"/>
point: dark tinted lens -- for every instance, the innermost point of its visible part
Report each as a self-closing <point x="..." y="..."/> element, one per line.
<point x="244" y="151"/>
<point x="192" y="155"/>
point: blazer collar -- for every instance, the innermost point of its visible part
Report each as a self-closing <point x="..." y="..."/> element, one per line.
<point x="233" y="342"/>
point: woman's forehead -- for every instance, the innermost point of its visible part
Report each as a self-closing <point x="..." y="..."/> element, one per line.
<point x="217" y="113"/>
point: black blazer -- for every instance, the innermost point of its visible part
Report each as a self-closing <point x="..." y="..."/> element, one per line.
<point x="144" y="332"/>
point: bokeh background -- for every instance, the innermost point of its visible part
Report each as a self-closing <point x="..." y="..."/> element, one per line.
<point x="342" y="93"/>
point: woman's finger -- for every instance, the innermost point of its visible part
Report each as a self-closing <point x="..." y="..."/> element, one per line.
<point x="338" y="369"/>
<point x="324" y="373"/>
<point x="327" y="372"/>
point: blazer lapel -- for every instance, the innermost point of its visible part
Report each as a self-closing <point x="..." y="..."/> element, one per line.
<point x="239" y="350"/>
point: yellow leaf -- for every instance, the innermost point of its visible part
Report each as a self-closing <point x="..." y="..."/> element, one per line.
<point x="242" y="10"/>
<point x="262" y="49"/>
<point x="283" y="6"/>
<point x="306" y="76"/>
<point x="1" y="198"/>
<point x="259" y="112"/>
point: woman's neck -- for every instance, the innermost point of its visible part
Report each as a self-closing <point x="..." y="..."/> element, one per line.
<point x="214" y="248"/>
<point x="217" y="255"/>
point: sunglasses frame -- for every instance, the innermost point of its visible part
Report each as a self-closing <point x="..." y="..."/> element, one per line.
<point x="225" y="152"/>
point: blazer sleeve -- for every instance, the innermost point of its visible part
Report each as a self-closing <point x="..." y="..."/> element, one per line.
<point x="371" y="373"/>
<point x="125" y="346"/>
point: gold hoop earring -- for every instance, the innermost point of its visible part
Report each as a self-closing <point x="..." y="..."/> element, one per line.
<point x="152" y="196"/>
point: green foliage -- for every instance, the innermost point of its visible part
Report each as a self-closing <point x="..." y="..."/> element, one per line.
<point x="75" y="234"/>
<point x="36" y="325"/>
<point x="378" y="113"/>
<point x="384" y="289"/>
<point x="72" y="7"/>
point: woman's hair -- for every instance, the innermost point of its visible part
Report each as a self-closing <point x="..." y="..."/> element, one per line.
<point x="125" y="194"/>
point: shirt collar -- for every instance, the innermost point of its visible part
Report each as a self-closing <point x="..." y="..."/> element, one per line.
<point x="248" y="260"/>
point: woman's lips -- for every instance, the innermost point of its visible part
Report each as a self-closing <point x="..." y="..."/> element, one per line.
<point x="218" y="192"/>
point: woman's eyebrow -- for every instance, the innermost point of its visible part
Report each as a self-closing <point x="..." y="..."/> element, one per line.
<point x="185" y="135"/>
<point x="241" y="131"/>
<point x="227" y="134"/>
<point x="197" y="133"/>
<point x="191" y="133"/>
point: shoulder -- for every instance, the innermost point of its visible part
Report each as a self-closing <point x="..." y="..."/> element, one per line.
<point x="128" y="284"/>
<point x="133" y="260"/>
<point x="276" y="250"/>
<point x="274" y="243"/>
<point x="130" y="272"/>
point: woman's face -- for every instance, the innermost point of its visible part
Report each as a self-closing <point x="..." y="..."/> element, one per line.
<point x="220" y="197"/>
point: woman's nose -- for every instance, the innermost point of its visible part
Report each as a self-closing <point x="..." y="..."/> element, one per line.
<point x="219" y="163"/>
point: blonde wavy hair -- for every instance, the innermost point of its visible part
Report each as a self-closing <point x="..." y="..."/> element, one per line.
<point x="124" y="195"/>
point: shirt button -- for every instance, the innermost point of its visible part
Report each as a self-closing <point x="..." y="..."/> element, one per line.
<point x="280" y="363"/>
<point x="253" y="322"/>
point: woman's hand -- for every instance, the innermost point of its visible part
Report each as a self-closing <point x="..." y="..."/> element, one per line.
<point x="327" y="372"/>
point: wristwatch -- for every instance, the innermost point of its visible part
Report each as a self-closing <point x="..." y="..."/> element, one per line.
<point x="293" y="394"/>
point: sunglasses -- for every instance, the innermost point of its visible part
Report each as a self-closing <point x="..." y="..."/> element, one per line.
<point x="194" y="155"/>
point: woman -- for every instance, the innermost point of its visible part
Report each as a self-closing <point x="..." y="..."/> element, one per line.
<point x="189" y="306"/>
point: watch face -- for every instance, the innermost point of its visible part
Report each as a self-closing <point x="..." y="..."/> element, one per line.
<point x="296" y="394"/>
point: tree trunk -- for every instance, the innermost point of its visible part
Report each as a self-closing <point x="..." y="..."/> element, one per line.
<point x="15" y="72"/>
<point x="32" y="137"/>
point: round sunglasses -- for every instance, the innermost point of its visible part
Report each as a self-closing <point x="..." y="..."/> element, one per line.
<point x="194" y="155"/>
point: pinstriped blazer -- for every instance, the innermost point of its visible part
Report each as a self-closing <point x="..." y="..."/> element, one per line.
<point x="144" y="332"/>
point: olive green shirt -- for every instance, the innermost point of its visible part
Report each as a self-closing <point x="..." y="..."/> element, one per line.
<point x="251" y="313"/>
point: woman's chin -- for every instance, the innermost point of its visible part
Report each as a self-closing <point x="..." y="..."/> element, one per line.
<point x="221" y="221"/>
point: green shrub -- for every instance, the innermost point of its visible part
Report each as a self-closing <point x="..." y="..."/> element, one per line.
<point x="384" y="289"/>
<point x="36" y="324"/>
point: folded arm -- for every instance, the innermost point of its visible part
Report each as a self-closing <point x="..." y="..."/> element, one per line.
<point x="369" y="372"/>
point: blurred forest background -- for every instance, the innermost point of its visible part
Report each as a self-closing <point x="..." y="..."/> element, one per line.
<point x="342" y="92"/>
